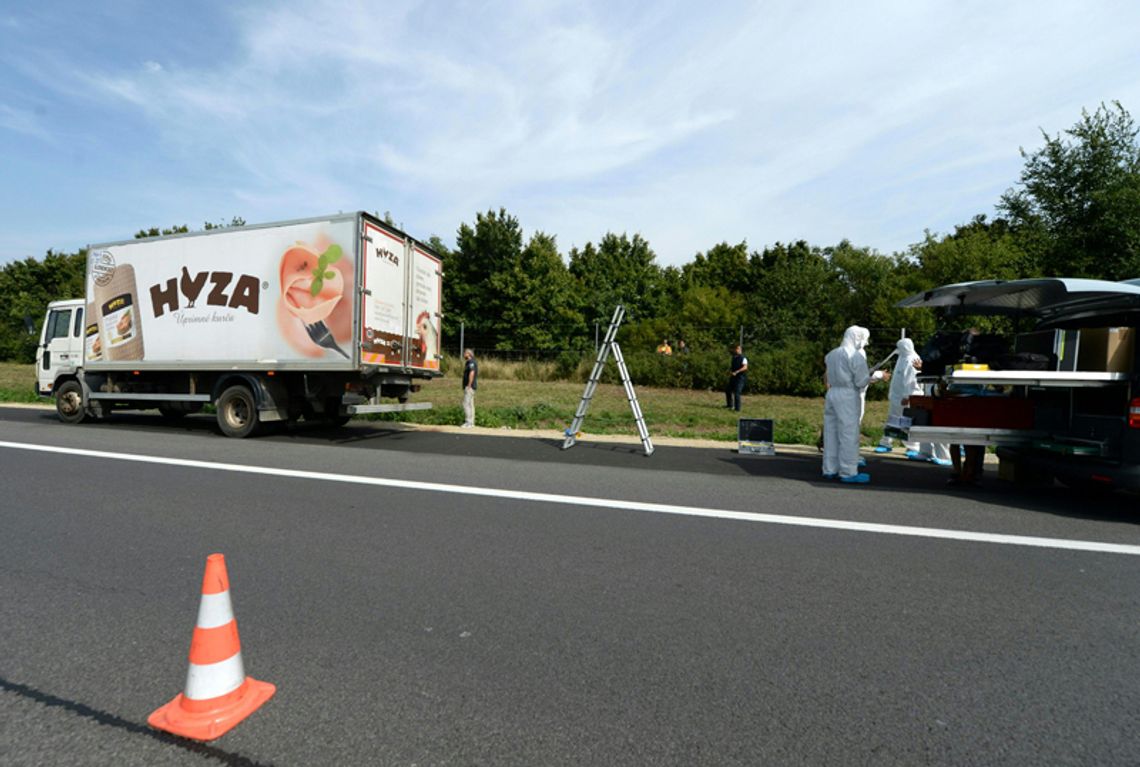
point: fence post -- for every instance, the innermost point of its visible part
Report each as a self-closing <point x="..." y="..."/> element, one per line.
<point x="742" y="336"/>
<point x="461" y="340"/>
<point x="595" y="337"/>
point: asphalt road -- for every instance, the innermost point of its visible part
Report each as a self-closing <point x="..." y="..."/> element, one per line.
<point x="411" y="616"/>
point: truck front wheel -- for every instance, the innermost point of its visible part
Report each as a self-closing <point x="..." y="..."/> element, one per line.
<point x="69" y="402"/>
<point x="237" y="412"/>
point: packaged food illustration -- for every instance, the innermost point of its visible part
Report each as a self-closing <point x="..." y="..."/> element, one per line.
<point x="117" y="303"/>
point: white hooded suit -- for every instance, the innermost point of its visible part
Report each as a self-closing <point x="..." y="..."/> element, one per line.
<point x="904" y="384"/>
<point x="847" y="379"/>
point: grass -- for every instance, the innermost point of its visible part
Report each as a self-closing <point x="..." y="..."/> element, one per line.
<point x="668" y="412"/>
<point x="504" y="401"/>
<point x="16" y="383"/>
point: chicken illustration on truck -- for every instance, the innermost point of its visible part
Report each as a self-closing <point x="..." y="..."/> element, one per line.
<point x="318" y="319"/>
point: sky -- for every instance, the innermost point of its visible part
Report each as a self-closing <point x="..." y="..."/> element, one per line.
<point x="689" y="123"/>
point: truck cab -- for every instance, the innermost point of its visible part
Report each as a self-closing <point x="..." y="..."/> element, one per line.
<point x="60" y="352"/>
<point x="1063" y="400"/>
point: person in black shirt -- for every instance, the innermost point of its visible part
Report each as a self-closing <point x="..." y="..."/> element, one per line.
<point x="470" y="384"/>
<point x="734" y="390"/>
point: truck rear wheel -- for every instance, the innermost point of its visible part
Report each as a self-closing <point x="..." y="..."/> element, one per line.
<point x="237" y="412"/>
<point x="69" y="402"/>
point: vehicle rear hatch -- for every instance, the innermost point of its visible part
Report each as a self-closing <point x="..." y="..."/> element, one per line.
<point x="1090" y="415"/>
<point x="1051" y="300"/>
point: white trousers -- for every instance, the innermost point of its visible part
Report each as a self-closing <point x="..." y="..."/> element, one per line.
<point x="896" y="410"/>
<point x="469" y="407"/>
<point x="842" y="411"/>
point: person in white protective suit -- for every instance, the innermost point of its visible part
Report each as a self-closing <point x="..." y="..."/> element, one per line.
<point x="904" y="385"/>
<point x="847" y="380"/>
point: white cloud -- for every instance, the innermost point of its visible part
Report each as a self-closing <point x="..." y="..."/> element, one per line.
<point x="24" y="121"/>
<point x="691" y="124"/>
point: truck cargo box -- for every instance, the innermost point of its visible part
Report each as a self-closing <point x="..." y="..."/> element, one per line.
<point x="332" y="293"/>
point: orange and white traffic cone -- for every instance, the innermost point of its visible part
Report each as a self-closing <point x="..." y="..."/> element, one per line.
<point x="218" y="694"/>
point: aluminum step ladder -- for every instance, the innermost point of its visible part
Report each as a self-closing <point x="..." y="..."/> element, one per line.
<point x="609" y="344"/>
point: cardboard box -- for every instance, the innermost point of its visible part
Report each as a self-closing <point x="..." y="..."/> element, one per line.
<point x="1107" y="350"/>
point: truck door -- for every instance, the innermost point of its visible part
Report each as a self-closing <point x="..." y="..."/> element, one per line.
<point x="384" y="308"/>
<point x="425" y="291"/>
<point x="61" y="346"/>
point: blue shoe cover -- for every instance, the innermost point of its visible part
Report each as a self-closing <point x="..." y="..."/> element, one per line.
<point x="914" y="455"/>
<point x="830" y="476"/>
<point x="858" y="479"/>
<point x="862" y="462"/>
<point x="881" y="449"/>
<point x="941" y="461"/>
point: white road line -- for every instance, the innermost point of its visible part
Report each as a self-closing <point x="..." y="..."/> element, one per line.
<point x="605" y="503"/>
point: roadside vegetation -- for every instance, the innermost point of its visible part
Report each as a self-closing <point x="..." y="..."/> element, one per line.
<point x="17" y="382"/>
<point x="507" y="401"/>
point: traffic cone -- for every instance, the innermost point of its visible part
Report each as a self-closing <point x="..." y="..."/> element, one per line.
<point x="218" y="694"/>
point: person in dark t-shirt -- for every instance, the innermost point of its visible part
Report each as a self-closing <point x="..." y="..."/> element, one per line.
<point x="734" y="390"/>
<point x="470" y="384"/>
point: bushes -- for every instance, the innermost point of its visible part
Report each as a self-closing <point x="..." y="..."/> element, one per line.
<point x="795" y="369"/>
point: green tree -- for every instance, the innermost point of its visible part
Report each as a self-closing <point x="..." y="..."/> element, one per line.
<point x="235" y="221"/>
<point x="154" y="231"/>
<point x="26" y="288"/>
<point x="619" y="270"/>
<point x="1077" y="206"/>
<point x="723" y="266"/>
<point x="979" y="250"/>
<point x="537" y="311"/>
<point x="492" y="246"/>
<point x="796" y="294"/>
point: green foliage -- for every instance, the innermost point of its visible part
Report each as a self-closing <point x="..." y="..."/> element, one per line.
<point x="795" y="293"/>
<point x="724" y="266"/>
<point x="26" y="288"/>
<point x="796" y="369"/>
<point x="1077" y="207"/>
<point x="154" y="231"/>
<point x="619" y="270"/>
<point x="207" y="226"/>
<point x="475" y="270"/>
<point x="573" y="366"/>
<point x="536" y="298"/>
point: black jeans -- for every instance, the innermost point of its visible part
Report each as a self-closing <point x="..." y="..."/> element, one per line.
<point x="733" y="392"/>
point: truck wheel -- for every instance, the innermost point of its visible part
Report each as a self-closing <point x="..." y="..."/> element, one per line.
<point x="237" y="412"/>
<point x="69" y="402"/>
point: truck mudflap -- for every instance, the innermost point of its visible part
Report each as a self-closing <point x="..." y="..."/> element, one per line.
<point x="1076" y="470"/>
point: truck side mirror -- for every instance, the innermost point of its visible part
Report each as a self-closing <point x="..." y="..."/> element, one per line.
<point x="29" y="325"/>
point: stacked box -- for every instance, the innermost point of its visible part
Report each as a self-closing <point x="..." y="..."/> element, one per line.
<point x="1106" y="350"/>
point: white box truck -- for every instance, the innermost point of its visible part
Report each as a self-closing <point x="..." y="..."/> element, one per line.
<point x="317" y="318"/>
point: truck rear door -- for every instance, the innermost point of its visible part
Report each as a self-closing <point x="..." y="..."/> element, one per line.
<point x="384" y="310"/>
<point x="425" y="291"/>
